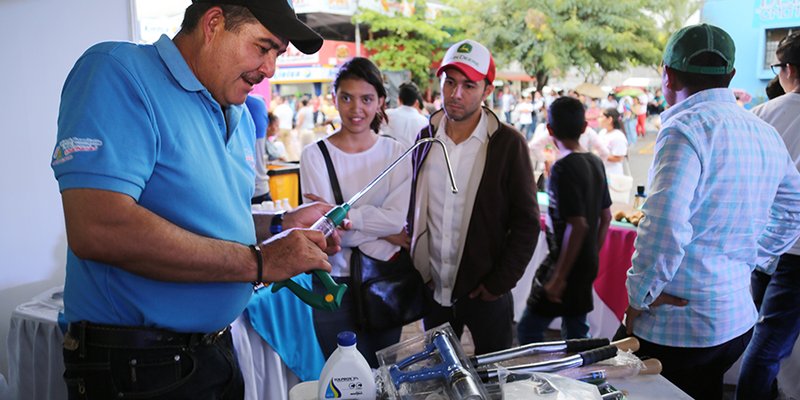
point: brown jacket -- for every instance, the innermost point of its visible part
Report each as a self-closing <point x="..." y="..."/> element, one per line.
<point x="502" y="212"/>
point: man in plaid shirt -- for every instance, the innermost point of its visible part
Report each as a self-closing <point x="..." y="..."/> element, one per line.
<point x="724" y="197"/>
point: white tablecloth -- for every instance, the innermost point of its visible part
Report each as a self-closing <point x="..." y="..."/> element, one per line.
<point x="36" y="364"/>
<point x="643" y="387"/>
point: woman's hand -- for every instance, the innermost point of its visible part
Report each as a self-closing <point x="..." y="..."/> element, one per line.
<point x="399" y="239"/>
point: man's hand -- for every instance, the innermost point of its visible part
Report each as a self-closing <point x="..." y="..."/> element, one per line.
<point x="483" y="294"/>
<point x="554" y="289"/>
<point x="400" y="239"/>
<point x="293" y="252"/>
<point x="307" y="214"/>
<point x="632" y="313"/>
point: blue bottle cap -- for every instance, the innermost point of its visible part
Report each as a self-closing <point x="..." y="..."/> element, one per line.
<point x="346" y="338"/>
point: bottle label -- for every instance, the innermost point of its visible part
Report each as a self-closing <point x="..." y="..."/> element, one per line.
<point x="344" y="386"/>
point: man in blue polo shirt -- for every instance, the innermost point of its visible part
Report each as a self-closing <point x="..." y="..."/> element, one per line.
<point x="155" y="163"/>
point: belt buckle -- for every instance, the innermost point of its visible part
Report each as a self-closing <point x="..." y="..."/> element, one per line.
<point x="211" y="338"/>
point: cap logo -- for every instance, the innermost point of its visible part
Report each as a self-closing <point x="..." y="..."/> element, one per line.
<point x="464" y="48"/>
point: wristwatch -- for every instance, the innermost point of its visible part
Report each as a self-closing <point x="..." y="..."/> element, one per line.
<point x="276" y="225"/>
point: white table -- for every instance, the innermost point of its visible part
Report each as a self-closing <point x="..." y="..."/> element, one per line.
<point x="643" y="387"/>
<point x="36" y="363"/>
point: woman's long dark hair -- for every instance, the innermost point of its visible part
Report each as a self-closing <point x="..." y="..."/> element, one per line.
<point x="616" y="119"/>
<point x="363" y="69"/>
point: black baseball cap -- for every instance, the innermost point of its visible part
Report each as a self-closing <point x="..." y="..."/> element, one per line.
<point x="279" y="18"/>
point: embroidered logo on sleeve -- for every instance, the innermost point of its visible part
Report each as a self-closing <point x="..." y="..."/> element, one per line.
<point x="67" y="147"/>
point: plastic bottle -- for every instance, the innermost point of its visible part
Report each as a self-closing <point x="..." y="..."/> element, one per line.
<point x="639" y="197"/>
<point x="268" y="206"/>
<point x="346" y="374"/>
<point x="285" y="205"/>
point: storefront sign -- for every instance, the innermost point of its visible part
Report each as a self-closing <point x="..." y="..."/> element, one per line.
<point x="303" y="75"/>
<point x="332" y="53"/>
<point x="770" y="12"/>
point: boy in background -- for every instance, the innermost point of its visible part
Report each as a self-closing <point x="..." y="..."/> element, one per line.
<point x="578" y="219"/>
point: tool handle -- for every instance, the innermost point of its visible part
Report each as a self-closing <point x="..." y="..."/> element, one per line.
<point x="629" y="343"/>
<point x="651" y="367"/>
<point x="578" y="345"/>
<point x="329" y="301"/>
<point x="603" y="353"/>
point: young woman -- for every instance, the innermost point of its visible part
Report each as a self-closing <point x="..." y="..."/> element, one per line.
<point x="611" y="133"/>
<point x="358" y="155"/>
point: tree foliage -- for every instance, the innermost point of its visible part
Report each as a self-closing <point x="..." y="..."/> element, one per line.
<point x="549" y="36"/>
<point x="413" y="43"/>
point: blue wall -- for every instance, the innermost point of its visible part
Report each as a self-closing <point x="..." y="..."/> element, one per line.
<point x="747" y="22"/>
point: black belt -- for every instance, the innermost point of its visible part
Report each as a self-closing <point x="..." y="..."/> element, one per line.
<point x="113" y="336"/>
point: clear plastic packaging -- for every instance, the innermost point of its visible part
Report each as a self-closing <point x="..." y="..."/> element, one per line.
<point x="428" y="366"/>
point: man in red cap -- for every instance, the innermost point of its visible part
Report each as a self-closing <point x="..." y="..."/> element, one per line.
<point x="472" y="246"/>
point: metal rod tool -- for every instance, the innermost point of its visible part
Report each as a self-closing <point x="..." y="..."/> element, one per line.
<point x="332" y="298"/>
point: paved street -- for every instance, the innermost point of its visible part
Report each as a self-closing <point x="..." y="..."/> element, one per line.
<point x="640" y="156"/>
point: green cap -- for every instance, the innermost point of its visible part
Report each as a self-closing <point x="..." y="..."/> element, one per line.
<point x="696" y="39"/>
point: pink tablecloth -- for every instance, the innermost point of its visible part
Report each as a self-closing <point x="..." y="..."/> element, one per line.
<point x="615" y="259"/>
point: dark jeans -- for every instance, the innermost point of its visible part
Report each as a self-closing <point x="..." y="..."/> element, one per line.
<point x="775" y="332"/>
<point x="531" y="327"/>
<point x="698" y="371"/>
<point x="489" y="322"/>
<point x="328" y="324"/>
<point x="183" y="370"/>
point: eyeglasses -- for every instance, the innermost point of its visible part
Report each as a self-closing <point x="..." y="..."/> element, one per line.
<point x="779" y="67"/>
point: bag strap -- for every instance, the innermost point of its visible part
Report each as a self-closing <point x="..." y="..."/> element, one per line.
<point x="355" y="256"/>
<point x="337" y="190"/>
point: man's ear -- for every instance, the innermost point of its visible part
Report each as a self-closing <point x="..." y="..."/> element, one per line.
<point x="549" y="130"/>
<point x="487" y="90"/>
<point x="212" y="22"/>
<point x="670" y="80"/>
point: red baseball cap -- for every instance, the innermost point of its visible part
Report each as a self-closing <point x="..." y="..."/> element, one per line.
<point x="471" y="58"/>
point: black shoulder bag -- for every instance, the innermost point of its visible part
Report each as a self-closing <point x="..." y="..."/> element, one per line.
<point x="386" y="294"/>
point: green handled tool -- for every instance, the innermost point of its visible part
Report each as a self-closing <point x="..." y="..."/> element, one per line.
<point x="332" y="299"/>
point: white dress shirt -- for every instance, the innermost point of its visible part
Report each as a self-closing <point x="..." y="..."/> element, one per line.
<point x="446" y="209"/>
<point x="405" y="122"/>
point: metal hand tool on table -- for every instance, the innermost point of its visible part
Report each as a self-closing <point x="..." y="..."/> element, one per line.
<point x="460" y="383"/>
<point x="573" y="361"/>
<point x="332" y="299"/>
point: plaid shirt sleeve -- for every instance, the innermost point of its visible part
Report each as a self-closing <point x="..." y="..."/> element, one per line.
<point x="666" y="230"/>
<point x="783" y="227"/>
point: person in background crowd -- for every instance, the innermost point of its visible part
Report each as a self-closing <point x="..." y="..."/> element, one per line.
<point x="524" y="112"/>
<point x="640" y="112"/>
<point x="592" y="113"/>
<point x="609" y="102"/>
<point x="285" y="115"/>
<point x="625" y="108"/>
<point x="275" y="149"/>
<point x="774" y="88"/>
<point x="613" y="138"/>
<point x="163" y="248"/>
<point x="578" y="220"/>
<point x="507" y="103"/>
<point x="406" y="121"/>
<point x="357" y="153"/>
<point x="305" y="123"/>
<point x="538" y="111"/>
<point x="258" y="111"/>
<point x="776" y="289"/>
<point x="472" y="246"/>
<point x="724" y="197"/>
